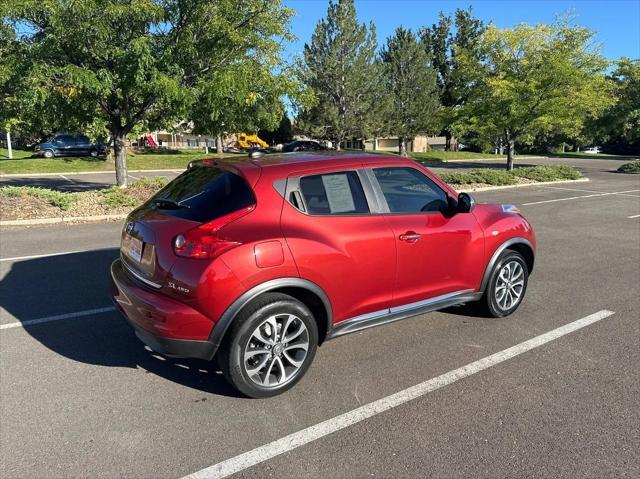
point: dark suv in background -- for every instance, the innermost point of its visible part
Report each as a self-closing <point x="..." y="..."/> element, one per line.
<point x="69" y="145"/>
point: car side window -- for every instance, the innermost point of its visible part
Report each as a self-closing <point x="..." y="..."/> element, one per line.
<point x="83" y="140"/>
<point x="406" y="190"/>
<point x="338" y="193"/>
<point x="64" y="140"/>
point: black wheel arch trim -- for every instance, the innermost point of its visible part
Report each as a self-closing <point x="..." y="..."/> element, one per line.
<point x="496" y="255"/>
<point x="222" y="325"/>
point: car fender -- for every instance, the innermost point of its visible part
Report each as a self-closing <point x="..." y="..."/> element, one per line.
<point x="222" y="325"/>
<point x="496" y="254"/>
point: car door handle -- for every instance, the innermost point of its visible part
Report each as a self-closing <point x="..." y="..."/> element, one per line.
<point x="409" y="236"/>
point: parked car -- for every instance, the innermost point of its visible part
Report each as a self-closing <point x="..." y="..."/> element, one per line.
<point x="593" y="150"/>
<point x="261" y="261"/>
<point x="302" y="145"/>
<point x="69" y="145"/>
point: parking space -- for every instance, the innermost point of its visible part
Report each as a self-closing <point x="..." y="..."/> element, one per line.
<point x="81" y="396"/>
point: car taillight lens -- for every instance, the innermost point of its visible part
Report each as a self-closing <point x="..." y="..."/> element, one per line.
<point x="204" y="241"/>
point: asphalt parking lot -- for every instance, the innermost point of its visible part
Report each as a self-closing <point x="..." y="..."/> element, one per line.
<point x="82" y="397"/>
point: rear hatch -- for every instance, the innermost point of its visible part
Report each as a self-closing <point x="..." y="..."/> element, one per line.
<point x="200" y="195"/>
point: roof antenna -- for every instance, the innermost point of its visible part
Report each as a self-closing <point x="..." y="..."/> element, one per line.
<point x="256" y="154"/>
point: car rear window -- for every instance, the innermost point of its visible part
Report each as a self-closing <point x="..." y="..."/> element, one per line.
<point x="203" y="194"/>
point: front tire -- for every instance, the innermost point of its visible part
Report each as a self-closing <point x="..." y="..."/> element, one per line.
<point x="48" y="154"/>
<point x="270" y="346"/>
<point x="507" y="285"/>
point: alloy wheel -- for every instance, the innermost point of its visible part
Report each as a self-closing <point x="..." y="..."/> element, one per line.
<point x="509" y="285"/>
<point x="276" y="350"/>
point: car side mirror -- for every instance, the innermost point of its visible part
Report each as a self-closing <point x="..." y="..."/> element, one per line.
<point x="466" y="202"/>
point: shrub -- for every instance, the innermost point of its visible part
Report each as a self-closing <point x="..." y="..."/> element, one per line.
<point x="631" y="167"/>
<point x="59" y="199"/>
<point x="548" y="173"/>
<point x="481" y="175"/>
<point x="134" y="194"/>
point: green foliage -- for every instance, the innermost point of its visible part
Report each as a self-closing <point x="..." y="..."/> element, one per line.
<point x="548" y="173"/>
<point x="339" y="68"/>
<point x="494" y="177"/>
<point x="410" y="81"/>
<point x="445" y="48"/>
<point x="481" y="175"/>
<point x="134" y="194"/>
<point x="114" y="66"/>
<point x="631" y="167"/>
<point x="534" y="79"/>
<point x="59" y="199"/>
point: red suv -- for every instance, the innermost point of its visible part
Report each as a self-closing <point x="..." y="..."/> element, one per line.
<point x="258" y="262"/>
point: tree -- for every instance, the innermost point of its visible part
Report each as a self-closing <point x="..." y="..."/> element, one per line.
<point x="282" y="134"/>
<point x="339" y="68"/>
<point x="411" y="83"/>
<point x="619" y="125"/>
<point x="129" y="63"/>
<point x="444" y="48"/>
<point x="534" y="79"/>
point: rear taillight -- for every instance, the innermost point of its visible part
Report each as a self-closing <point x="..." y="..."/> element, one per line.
<point x="204" y="241"/>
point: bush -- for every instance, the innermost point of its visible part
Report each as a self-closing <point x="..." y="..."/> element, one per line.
<point x="631" y="167"/>
<point x="134" y="194"/>
<point x="493" y="177"/>
<point x="481" y="175"/>
<point x="548" y="173"/>
<point x="59" y="199"/>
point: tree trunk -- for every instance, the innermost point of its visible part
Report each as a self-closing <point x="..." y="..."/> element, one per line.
<point x="402" y="143"/>
<point x="120" y="156"/>
<point x="338" y="145"/>
<point x="219" y="147"/>
<point x="510" y="152"/>
<point x="447" y="141"/>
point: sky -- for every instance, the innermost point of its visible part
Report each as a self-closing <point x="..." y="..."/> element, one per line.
<point x="616" y="22"/>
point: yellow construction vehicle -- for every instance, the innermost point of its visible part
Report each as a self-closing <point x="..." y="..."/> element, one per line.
<point x="250" y="141"/>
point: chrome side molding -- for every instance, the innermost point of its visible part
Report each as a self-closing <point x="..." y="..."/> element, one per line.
<point x="378" y="318"/>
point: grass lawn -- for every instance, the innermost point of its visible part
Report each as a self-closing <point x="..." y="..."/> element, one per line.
<point x="455" y="155"/>
<point x="23" y="163"/>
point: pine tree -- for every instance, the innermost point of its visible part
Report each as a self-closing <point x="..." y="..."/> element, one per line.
<point x="339" y="67"/>
<point x="411" y="83"/>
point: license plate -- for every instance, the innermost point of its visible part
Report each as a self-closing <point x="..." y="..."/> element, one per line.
<point x="135" y="249"/>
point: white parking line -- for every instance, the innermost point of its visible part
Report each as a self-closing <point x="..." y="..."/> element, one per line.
<point x="586" y="191"/>
<point x="633" y="216"/>
<point x="35" y="256"/>
<point x="134" y="177"/>
<point x="78" y="314"/>
<point x="65" y="178"/>
<point x="312" y="433"/>
<point x="578" y="197"/>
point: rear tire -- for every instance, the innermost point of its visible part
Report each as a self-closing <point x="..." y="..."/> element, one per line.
<point x="507" y="285"/>
<point x="270" y="346"/>
<point x="93" y="153"/>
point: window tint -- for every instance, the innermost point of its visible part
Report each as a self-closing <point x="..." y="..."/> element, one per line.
<point x="83" y="140"/>
<point x="409" y="191"/>
<point x="204" y="193"/>
<point x="334" y="194"/>
<point x="64" y="140"/>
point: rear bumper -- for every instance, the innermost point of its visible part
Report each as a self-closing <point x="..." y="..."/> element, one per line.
<point x="159" y="321"/>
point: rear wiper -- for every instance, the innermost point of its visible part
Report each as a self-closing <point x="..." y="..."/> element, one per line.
<point x="166" y="203"/>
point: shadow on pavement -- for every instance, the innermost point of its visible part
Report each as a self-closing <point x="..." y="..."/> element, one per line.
<point x="75" y="282"/>
<point x="56" y="183"/>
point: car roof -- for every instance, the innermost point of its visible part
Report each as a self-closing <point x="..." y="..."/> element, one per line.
<point x="286" y="164"/>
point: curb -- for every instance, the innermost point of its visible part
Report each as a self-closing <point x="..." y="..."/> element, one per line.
<point x="478" y="160"/>
<point x="73" y="173"/>
<point x="539" y="183"/>
<point x="62" y="219"/>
